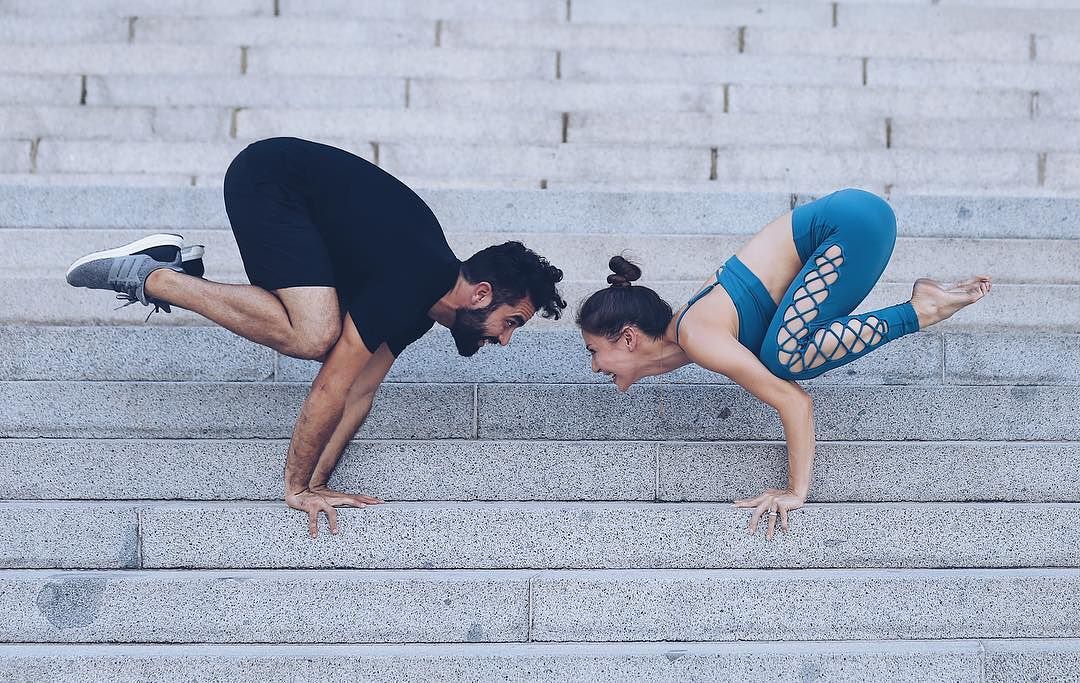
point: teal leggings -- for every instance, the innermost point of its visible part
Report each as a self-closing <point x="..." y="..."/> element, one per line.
<point x="844" y="241"/>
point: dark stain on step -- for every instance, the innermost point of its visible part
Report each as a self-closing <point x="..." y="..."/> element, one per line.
<point x="71" y="603"/>
<point x="725" y="413"/>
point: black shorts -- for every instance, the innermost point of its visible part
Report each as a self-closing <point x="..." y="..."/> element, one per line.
<point x="278" y="242"/>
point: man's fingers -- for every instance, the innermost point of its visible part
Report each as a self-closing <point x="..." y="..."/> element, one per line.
<point x="313" y="523"/>
<point x="331" y="516"/>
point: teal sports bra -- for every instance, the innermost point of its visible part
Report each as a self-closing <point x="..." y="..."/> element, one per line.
<point x="752" y="302"/>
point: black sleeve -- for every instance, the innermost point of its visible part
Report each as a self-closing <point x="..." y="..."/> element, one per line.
<point x="370" y="320"/>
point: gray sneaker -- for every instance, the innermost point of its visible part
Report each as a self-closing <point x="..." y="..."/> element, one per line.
<point x="126" y="268"/>
<point x="192" y="259"/>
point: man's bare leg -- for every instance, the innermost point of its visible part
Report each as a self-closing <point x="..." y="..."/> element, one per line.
<point x="303" y="322"/>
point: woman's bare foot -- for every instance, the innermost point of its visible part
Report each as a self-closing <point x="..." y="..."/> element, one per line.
<point x="934" y="302"/>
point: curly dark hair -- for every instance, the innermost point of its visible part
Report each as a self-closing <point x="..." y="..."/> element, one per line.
<point x="515" y="271"/>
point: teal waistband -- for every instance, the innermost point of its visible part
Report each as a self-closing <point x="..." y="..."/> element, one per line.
<point x="752" y="301"/>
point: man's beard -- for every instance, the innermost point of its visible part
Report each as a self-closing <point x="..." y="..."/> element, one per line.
<point x="468" y="329"/>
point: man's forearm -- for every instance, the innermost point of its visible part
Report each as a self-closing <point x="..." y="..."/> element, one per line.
<point x="352" y="418"/>
<point x="319" y="418"/>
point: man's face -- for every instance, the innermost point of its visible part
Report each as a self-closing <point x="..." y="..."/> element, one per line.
<point x="494" y="324"/>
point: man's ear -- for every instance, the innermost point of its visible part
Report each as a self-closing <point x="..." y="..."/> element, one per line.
<point x="481" y="295"/>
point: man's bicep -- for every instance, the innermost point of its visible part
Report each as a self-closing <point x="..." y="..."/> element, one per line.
<point x="349" y="356"/>
<point x="375" y="371"/>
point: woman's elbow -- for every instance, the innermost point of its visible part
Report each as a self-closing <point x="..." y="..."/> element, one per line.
<point x="797" y="401"/>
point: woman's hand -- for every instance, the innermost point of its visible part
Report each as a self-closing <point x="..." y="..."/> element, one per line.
<point x="775" y="503"/>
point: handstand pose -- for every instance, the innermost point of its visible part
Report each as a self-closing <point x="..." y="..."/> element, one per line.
<point x="781" y="313"/>
<point x="347" y="266"/>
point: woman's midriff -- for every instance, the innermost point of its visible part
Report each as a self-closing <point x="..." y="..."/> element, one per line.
<point x="772" y="257"/>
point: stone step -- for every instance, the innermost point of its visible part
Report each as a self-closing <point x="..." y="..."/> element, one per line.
<point x="1038" y="17"/>
<point x="36" y="31"/>
<point x="137" y="409"/>
<point x="513" y="10"/>
<point x="213" y="469"/>
<point x="864" y="133"/>
<point x="924" y="100"/>
<point x="1000" y="44"/>
<point x="114" y="180"/>
<point x="402" y="62"/>
<point x="957" y="102"/>
<point x="42" y="252"/>
<point x="541" y="355"/>
<point x="42" y="9"/>
<point x="1006" y="171"/>
<point x="453" y="126"/>
<point x="79" y="535"/>
<point x="260" y="606"/>
<point x="1057" y="18"/>
<point x="558" y="212"/>
<point x="626" y="65"/>
<point x="494" y="411"/>
<point x="712" y="411"/>
<point x="805" y="187"/>
<point x="290" y="31"/>
<point x="1046" y="308"/>
<point x="26" y="89"/>
<point x="219" y="91"/>
<point x="105" y="58"/>
<point x="965" y="661"/>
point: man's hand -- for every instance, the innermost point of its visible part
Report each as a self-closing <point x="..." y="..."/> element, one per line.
<point x="312" y="503"/>
<point x="342" y="499"/>
<point x="774" y="502"/>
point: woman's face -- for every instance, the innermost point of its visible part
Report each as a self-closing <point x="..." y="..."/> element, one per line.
<point x="618" y="358"/>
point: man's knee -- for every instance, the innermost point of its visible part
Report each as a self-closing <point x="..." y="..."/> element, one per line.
<point x="312" y="343"/>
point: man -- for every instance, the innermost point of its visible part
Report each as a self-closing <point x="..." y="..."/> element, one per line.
<point x="347" y="266"/>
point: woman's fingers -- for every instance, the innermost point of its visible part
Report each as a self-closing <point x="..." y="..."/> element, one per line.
<point x="758" y="512"/>
<point x="783" y="519"/>
<point x="750" y="502"/>
<point x="772" y="524"/>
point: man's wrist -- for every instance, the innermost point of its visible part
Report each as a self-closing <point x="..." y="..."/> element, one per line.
<point x="294" y="489"/>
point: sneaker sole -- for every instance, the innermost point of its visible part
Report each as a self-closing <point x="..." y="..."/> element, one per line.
<point x="159" y="240"/>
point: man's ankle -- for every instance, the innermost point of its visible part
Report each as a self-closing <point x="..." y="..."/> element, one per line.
<point x="155" y="282"/>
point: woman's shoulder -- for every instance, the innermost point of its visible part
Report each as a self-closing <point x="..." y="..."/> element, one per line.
<point x="711" y="319"/>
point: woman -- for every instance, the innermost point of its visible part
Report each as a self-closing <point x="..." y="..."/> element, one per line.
<point x="781" y="313"/>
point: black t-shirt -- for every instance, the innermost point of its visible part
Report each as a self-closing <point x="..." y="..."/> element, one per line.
<point x="390" y="257"/>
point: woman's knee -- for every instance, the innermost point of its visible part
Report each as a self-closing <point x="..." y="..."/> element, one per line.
<point x="873" y="210"/>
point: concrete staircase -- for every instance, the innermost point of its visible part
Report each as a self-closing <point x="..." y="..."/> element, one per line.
<point x="542" y="526"/>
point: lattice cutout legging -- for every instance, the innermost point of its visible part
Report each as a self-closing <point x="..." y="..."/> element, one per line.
<point x="844" y="241"/>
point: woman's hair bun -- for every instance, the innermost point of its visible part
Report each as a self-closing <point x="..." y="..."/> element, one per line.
<point x="624" y="272"/>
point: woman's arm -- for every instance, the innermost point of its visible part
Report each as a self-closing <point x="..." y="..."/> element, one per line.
<point x="727" y="356"/>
